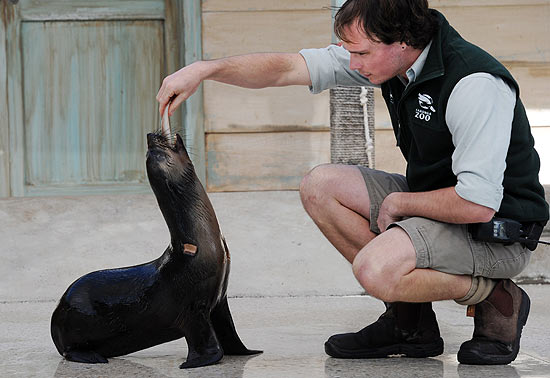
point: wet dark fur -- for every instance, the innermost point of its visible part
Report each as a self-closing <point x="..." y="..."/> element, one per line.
<point x="114" y="312"/>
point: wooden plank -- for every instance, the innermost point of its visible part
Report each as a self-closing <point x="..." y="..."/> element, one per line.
<point x="39" y="10"/>
<point x="194" y="108"/>
<point x="88" y="104"/>
<point x="4" y="117"/>
<point x="335" y="6"/>
<point x="15" y="98"/>
<point x="388" y="156"/>
<point x="233" y="109"/>
<point x="476" y="3"/>
<point x="533" y="79"/>
<point x="255" y="5"/>
<point x="542" y="145"/>
<point x="86" y="189"/>
<point x="381" y="116"/>
<point x="510" y="33"/>
<point x="263" y="161"/>
<point x="264" y="31"/>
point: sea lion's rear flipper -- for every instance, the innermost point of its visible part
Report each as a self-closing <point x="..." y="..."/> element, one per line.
<point x="225" y="330"/>
<point x="85" y="356"/>
<point x="202" y="343"/>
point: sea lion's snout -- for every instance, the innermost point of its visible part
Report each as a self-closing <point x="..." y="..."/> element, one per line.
<point x="160" y="141"/>
<point x="150" y="137"/>
<point x="166" y="156"/>
<point x="156" y="140"/>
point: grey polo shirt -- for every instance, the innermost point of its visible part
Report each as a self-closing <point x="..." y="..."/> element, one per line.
<point x="479" y="116"/>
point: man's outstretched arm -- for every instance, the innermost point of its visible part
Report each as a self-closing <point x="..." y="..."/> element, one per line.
<point x="248" y="71"/>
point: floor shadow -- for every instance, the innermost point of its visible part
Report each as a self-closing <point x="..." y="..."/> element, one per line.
<point x="501" y="371"/>
<point x="161" y="367"/>
<point x="117" y="367"/>
<point x="384" y="367"/>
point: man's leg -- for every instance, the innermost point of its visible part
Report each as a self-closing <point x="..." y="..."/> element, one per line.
<point x="386" y="268"/>
<point x="338" y="201"/>
<point x="498" y="322"/>
<point x="336" y="198"/>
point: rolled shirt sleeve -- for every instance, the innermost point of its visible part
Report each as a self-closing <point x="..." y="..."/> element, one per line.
<point x="479" y="116"/>
<point x="329" y="67"/>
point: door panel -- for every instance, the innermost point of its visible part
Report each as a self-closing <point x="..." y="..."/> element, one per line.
<point x="81" y="80"/>
<point x="4" y="129"/>
<point x="86" y="119"/>
<point x="34" y="10"/>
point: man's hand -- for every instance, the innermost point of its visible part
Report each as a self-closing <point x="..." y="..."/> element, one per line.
<point x="443" y="205"/>
<point x="178" y="87"/>
<point x="388" y="212"/>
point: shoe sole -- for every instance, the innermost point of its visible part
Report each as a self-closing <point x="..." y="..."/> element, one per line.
<point x="410" y="350"/>
<point x="474" y="358"/>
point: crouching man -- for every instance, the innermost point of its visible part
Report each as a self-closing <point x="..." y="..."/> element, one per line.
<point x="463" y="131"/>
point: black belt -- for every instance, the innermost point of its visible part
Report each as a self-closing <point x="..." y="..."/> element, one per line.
<point x="508" y="231"/>
<point x="531" y="231"/>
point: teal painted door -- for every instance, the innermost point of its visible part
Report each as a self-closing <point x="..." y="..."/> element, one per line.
<point x="82" y="79"/>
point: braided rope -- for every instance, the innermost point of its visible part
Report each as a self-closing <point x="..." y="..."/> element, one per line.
<point x="352" y="126"/>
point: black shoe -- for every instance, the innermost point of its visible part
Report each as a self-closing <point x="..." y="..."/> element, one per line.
<point x="409" y="329"/>
<point x="498" y="322"/>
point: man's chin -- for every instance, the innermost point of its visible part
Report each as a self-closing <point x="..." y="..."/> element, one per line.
<point x="377" y="81"/>
<point x="374" y="80"/>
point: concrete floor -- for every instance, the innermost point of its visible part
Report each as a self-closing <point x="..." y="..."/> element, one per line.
<point x="289" y="291"/>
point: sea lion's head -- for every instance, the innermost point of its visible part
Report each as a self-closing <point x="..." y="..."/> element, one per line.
<point x="179" y="192"/>
<point x="167" y="160"/>
<point x="170" y="171"/>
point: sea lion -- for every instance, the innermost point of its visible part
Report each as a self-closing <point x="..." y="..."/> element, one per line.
<point x="114" y="312"/>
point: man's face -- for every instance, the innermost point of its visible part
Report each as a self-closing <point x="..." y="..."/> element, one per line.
<point x="377" y="61"/>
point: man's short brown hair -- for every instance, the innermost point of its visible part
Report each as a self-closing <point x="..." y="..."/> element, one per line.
<point x="389" y="21"/>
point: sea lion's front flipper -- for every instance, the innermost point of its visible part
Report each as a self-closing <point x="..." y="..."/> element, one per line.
<point x="86" y="356"/>
<point x="225" y="330"/>
<point x="202" y="343"/>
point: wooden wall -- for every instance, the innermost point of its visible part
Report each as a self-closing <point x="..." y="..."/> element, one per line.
<point x="4" y="133"/>
<point x="268" y="139"/>
<point x="78" y="81"/>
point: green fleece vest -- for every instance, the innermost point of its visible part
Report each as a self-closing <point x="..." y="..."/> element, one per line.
<point x="418" y="119"/>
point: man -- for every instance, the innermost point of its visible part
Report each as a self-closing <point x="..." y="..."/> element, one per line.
<point x="462" y="128"/>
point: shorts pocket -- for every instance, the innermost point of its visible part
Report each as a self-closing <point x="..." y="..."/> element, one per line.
<point x="507" y="261"/>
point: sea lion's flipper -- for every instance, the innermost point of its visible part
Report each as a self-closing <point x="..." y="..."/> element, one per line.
<point x="226" y="332"/>
<point x="202" y="343"/>
<point x="85" y="356"/>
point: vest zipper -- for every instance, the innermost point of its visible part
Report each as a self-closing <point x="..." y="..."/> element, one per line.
<point x="398" y="132"/>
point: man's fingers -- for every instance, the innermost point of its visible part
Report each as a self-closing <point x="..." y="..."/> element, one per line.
<point x="175" y="103"/>
<point x="164" y="100"/>
<point x="175" y="88"/>
<point x="164" y="94"/>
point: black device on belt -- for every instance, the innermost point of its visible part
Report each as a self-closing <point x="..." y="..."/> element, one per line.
<point x="508" y="231"/>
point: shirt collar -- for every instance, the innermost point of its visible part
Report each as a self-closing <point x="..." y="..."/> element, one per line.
<point x="414" y="71"/>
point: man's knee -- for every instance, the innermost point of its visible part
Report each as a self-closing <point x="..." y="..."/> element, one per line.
<point x="380" y="266"/>
<point x="373" y="278"/>
<point x="313" y="185"/>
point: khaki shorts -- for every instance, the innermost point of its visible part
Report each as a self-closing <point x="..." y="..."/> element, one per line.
<point x="443" y="246"/>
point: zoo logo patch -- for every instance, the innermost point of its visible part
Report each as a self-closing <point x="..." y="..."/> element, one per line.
<point x="426" y="104"/>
